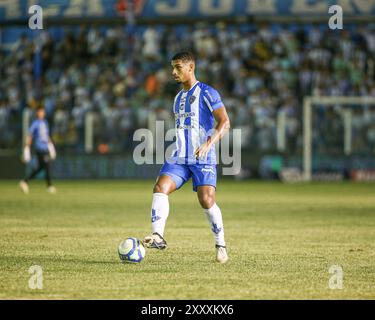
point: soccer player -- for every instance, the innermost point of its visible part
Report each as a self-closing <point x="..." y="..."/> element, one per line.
<point x="44" y="148"/>
<point x="196" y="107"/>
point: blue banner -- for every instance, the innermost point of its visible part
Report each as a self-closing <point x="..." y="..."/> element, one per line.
<point x="13" y="10"/>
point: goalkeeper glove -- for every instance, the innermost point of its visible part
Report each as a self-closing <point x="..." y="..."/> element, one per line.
<point x="26" y="154"/>
<point x="51" y="150"/>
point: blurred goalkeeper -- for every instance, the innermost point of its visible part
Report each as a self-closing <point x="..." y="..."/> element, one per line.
<point x="39" y="138"/>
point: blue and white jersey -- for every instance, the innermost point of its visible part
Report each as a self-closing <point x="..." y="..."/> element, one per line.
<point x="39" y="131"/>
<point x="194" y="123"/>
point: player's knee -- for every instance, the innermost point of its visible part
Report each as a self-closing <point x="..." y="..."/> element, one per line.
<point x="160" y="188"/>
<point x="206" y="200"/>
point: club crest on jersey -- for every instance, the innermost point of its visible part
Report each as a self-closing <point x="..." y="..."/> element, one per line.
<point x="192" y="99"/>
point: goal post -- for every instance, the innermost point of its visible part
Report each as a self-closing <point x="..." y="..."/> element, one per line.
<point x="26" y="114"/>
<point x="308" y="106"/>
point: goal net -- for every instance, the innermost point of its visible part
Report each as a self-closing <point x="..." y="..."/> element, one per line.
<point x="339" y="137"/>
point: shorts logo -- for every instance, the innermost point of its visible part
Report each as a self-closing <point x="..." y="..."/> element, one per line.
<point x="215" y="229"/>
<point x="192" y="99"/>
<point x="154" y="217"/>
<point x="208" y="169"/>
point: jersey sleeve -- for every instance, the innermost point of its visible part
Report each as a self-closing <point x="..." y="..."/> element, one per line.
<point x="212" y="99"/>
<point x="33" y="128"/>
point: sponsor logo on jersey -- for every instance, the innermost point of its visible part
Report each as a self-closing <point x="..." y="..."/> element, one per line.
<point x="182" y="103"/>
<point x="185" y="126"/>
<point x="184" y="115"/>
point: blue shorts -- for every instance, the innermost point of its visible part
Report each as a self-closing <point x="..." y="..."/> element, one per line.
<point x="203" y="174"/>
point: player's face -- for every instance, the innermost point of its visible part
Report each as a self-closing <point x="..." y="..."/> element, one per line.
<point x="181" y="70"/>
<point x="40" y="114"/>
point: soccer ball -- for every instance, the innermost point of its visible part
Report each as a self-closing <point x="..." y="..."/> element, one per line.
<point x="131" y="250"/>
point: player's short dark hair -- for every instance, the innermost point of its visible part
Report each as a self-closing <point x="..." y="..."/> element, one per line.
<point x="184" y="56"/>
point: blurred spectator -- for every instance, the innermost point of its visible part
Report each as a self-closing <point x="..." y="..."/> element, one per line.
<point x="122" y="79"/>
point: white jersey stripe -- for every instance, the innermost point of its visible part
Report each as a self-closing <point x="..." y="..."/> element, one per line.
<point x="208" y="103"/>
<point x="175" y="151"/>
<point x="180" y="131"/>
<point x="195" y="143"/>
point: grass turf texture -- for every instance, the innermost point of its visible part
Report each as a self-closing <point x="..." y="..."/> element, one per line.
<point x="282" y="239"/>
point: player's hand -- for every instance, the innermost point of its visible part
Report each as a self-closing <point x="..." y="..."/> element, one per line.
<point x="203" y="150"/>
<point x="26" y="154"/>
<point x="51" y="150"/>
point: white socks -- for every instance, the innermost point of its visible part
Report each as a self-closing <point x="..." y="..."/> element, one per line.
<point x="216" y="222"/>
<point x="159" y="212"/>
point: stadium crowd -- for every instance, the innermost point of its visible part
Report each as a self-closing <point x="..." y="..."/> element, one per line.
<point x="122" y="78"/>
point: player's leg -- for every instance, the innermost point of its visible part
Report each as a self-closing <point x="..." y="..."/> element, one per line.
<point x="159" y="211"/>
<point x="206" y="197"/>
<point x="24" y="186"/>
<point x="24" y="183"/>
<point x="171" y="177"/>
<point x="163" y="187"/>
<point x="204" y="183"/>
<point x="46" y="164"/>
<point x="36" y="171"/>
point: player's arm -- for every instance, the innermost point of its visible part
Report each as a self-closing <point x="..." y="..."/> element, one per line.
<point x="222" y="127"/>
<point x="30" y="135"/>
<point x="29" y="140"/>
<point x="26" y="148"/>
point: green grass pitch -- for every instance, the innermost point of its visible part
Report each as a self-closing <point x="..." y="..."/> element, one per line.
<point x="282" y="240"/>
